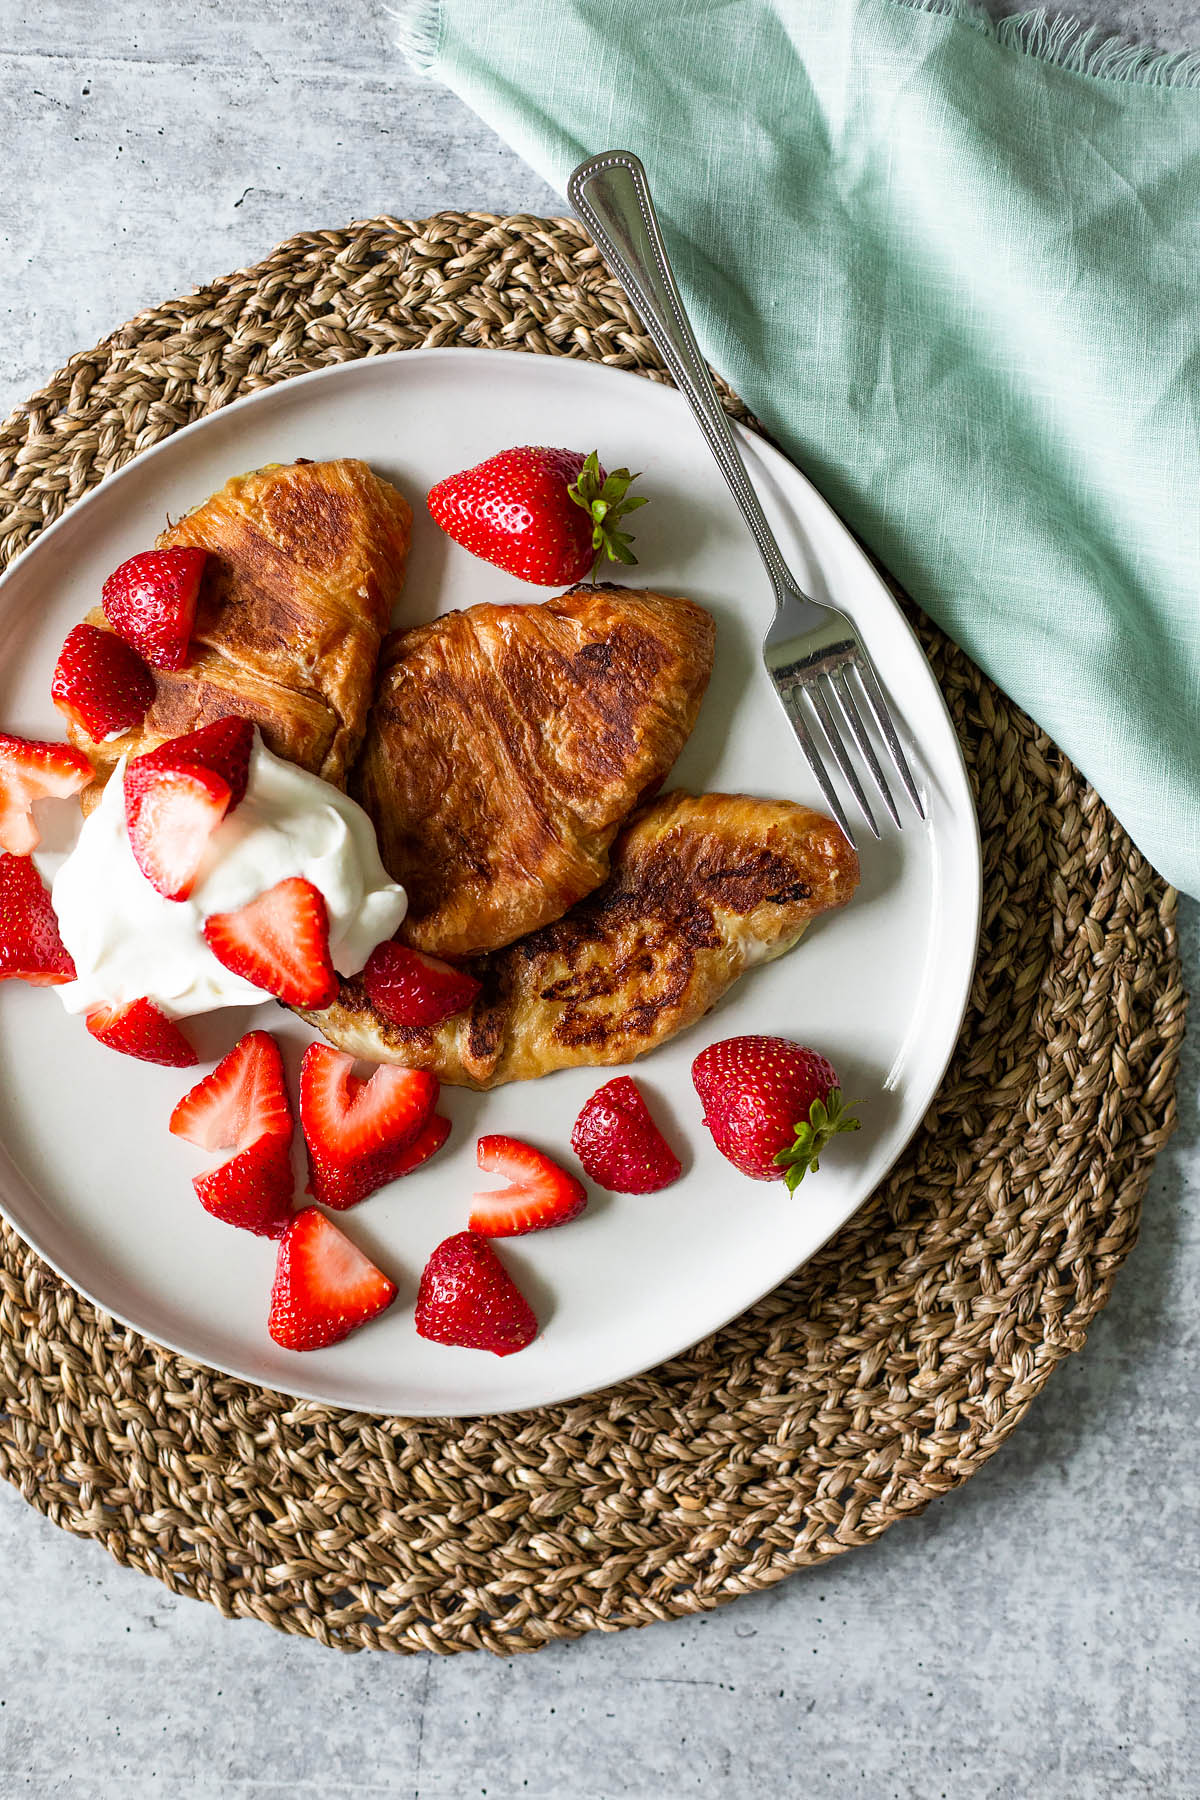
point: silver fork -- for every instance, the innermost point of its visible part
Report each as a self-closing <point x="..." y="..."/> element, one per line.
<point x="811" y="651"/>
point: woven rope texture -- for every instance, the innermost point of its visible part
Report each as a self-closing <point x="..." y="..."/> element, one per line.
<point x="882" y="1375"/>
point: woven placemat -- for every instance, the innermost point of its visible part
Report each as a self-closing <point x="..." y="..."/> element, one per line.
<point x="879" y="1377"/>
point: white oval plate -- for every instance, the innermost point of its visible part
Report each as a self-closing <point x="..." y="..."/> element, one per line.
<point x="90" y="1176"/>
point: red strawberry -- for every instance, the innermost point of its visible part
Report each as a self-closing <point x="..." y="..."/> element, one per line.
<point x="358" y="1131"/>
<point x="427" y="1143"/>
<point x="547" y="516"/>
<point x="170" y="814"/>
<point x="30" y="946"/>
<point x="31" y="771"/>
<point x="468" y="1297"/>
<point x="243" y="1106"/>
<point x="324" y="1286"/>
<point x="280" y="943"/>
<point x="771" y="1105"/>
<point x="102" y="685"/>
<point x="253" y="1190"/>
<point x="539" y="1193"/>
<point x="243" y="1099"/>
<point x="223" y="748"/>
<point x="177" y="795"/>
<point x="619" y="1144"/>
<point x="412" y="989"/>
<point x="151" y="602"/>
<point x="140" y="1029"/>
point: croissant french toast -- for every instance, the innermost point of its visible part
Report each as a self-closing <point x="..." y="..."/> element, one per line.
<point x="701" y="889"/>
<point x="507" y="745"/>
<point x="305" y="562"/>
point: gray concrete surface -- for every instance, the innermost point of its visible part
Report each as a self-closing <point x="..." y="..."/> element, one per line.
<point x="1030" y="1638"/>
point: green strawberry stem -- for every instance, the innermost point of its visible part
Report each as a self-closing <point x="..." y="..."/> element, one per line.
<point x="825" y="1119"/>
<point x="605" y="502"/>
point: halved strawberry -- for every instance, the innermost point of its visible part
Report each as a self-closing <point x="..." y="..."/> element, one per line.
<point x="355" y="1129"/>
<point x="619" y="1144"/>
<point x="170" y="814"/>
<point x="224" y="747"/>
<point x="140" y="1029"/>
<point x="151" y="602"/>
<point x="253" y="1190"/>
<point x="243" y="1099"/>
<point x="30" y="946"/>
<point x="243" y="1106"/>
<point x="467" y="1297"/>
<point x="427" y="1143"/>
<point x="539" y="1193"/>
<point x="412" y="989"/>
<point x="280" y="943"/>
<point x="29" y="771"/>
<point x="324" y="1286"/>
<point x="100" y="683"/>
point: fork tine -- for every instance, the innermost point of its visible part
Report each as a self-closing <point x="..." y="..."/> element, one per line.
<point x="853" y="718"/>
<point x="883" y="718"/>
<point x="841" y="756"/>
<point x="799" y="725"/>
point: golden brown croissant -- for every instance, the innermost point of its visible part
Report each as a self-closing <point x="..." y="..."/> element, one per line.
<point x="507" y="745"/>
<point x="702" y="888"/>
<point x="305" y="562"/>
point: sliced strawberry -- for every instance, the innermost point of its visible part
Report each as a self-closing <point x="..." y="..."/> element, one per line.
<point x="355" y="1130"/>
<point x="342" y="1187"/>
<point x="243" y="1099"/>
<point x="324" y="1286"/>
<point x="223" y="747"/>
<point x="30" y="946"/>
<point x="280" y="943"/>
<point x="412" y="989"/>
<point x="100" y="683"/>
<point x="427" y="1143"/>
<point x="619" y="1144"/>
<point x="253" y="1190"/>
<point x="140" y="1029"/>
<point x="151" y="602"/>
<point x="467" y="1297"/>
<point x="539" y="1193"/>
<point x="32" y="771"/>
<point x="170" y="814"/>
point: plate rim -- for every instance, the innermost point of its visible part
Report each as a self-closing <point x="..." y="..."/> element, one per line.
<point x="760" y="447"/>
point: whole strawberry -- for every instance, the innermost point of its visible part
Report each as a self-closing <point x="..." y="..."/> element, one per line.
<point x="546" y="516"/>
<point x="771" y="1105"/>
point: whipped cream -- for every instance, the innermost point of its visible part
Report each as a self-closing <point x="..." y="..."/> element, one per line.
<point x="128" y="941"/>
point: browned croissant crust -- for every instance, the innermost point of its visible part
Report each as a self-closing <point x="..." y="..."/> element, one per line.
<point x="702" y="888"/>
<point x="305" y="563"/>
<point x="507" y="745"/>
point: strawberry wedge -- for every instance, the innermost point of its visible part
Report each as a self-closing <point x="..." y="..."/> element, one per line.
<point x="141" y="1029"/>
<point x="539" y="1194"/>
<point x="30" y="946"/>
<point x="468" y="1298"/>
<point x="412" y="989"/>
<point x="31" y="771"/>
<point x="363" y="1134"/>
<point x="325" y="1287"/>
<point x="280" y="943"/>
<point x="150" y="601"/>
<point x="243" y="1106"/>
<point x="100" y="683"/>
<point x="177" y="795"/>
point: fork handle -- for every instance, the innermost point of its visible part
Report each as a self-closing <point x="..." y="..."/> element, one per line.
<point x="611" y="195"/>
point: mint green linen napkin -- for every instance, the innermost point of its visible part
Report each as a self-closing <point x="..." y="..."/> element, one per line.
<point x="954" y="269"/>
